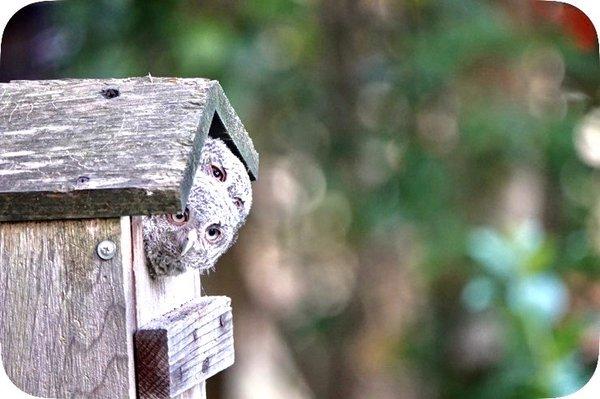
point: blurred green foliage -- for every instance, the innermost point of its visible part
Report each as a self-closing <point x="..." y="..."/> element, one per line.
<point x="419" y="114"/>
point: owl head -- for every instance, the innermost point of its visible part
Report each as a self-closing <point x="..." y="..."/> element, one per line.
<point x="195" y="237"/>
<point x="218" y="162"/>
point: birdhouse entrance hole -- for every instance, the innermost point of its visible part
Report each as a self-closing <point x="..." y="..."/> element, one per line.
<point x="218" y="131"/>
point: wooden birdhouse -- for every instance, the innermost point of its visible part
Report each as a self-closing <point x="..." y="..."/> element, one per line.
<point x="80" y="317"/>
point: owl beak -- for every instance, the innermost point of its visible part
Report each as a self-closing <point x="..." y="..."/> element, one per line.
<point x="190" y="242"/>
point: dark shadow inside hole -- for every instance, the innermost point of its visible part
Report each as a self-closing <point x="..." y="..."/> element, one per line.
<point x="217" y="131"/>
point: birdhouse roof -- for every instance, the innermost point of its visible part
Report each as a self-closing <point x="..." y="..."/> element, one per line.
<point x="79" y="148"/>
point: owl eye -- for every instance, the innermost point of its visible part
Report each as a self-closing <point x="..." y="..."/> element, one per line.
<point x="238" y="202"/>
<point x="179" y="218"/>
<point x="214" y="232"/>
<point x="218" y="173"/>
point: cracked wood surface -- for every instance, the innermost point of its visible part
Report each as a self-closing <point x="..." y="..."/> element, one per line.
<point x="80" y="148"/>
<point x="64" y="327"/>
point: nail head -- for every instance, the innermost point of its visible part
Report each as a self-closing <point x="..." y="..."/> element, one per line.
<point x="205" y="365"/>
<point x="82" y="179"/>
<point x="110" y="92"/>
<point x="224" y="319"/>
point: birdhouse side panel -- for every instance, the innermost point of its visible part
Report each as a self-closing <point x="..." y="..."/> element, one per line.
<point x="63" y="322"/>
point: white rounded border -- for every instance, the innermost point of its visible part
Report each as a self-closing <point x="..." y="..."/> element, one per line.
<point x="591" y="8"/>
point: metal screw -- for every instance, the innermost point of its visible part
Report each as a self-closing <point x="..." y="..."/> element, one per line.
<point x="106" y="250"/>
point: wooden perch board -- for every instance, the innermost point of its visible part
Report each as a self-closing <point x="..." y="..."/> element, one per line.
<point x="184" y="347"/>
<point x="108" y="147"/>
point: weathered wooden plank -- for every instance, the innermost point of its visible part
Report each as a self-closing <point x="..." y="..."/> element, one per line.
<point x="155" y="297"/>
<point x="152" y="366"/>
<point x="129" y="295"/>
<point x="63" y="321"/>
<point x="113" y="147"/>
<point x="184" y="347"/>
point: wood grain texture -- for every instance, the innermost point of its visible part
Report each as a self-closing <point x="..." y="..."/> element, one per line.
<point x="184" y="347"/>
<point x="63" y="310"/>
<point x="129" y="295"/>
<point x="68" y="151"/>
<point x="155" y="297"/>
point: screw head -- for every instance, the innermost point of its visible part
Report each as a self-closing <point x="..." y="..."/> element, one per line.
<point x="106" y="250"/>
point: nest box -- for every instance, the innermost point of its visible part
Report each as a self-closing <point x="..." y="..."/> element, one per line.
<point x="79" y="159"/>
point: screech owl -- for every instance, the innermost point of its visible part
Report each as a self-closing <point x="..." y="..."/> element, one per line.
<point x="220" y="163"/>
<point x="196" y="237"/>
<point x="218" y="204"/>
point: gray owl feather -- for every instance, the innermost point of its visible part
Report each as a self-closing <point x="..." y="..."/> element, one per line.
<point x="218" y="204"/>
